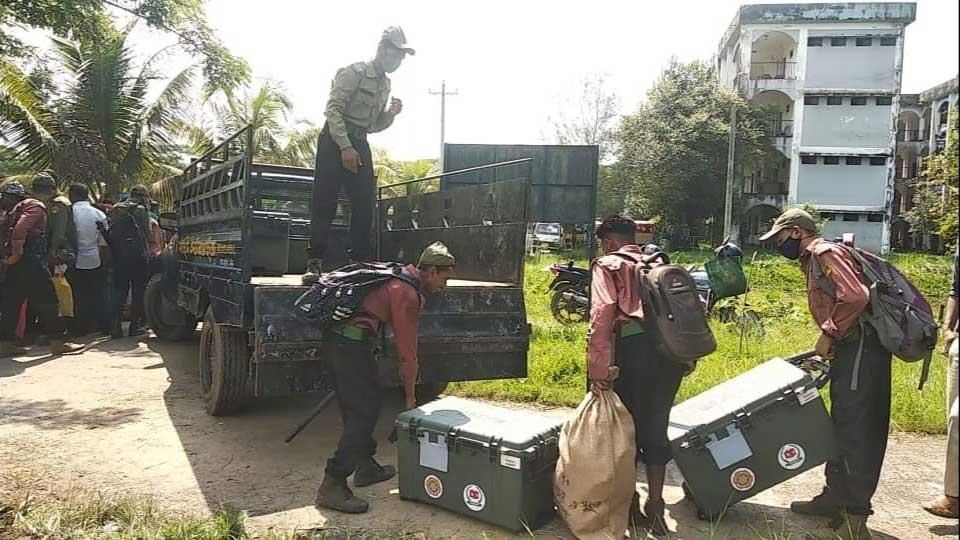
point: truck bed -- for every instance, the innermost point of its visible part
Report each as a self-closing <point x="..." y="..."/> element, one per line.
<point x="293" y="280"/>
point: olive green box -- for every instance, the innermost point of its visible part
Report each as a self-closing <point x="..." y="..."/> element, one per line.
<point x="482" y="461"/>
<point x="749" y="434"/>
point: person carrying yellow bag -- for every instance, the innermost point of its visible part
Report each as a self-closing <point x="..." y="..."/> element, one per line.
<point x="63" y="290"/>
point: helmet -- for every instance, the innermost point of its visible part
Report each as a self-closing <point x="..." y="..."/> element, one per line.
<point x="650" y="249"/>
<point x="728" y="250"/>
<point x="14" y="188"/>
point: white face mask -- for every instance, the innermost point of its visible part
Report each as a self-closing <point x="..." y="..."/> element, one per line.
<point x="391" y="60"/>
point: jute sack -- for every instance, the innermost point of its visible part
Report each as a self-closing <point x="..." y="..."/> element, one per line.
<point x="596" y="472"/>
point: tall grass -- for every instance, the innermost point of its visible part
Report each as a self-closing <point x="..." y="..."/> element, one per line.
<point x="557" y="359"/>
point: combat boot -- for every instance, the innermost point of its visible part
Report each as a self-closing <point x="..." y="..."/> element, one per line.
<point x="58" y="346"/>
<point x="845" y="527"/>
<point x="822" y="505"/>
<point x="313" y="272"/>
<point x="9" y="350"/>
<point x="136" y="328"/>
<point x="335" y="494"/>
<point x="370" y="472"/>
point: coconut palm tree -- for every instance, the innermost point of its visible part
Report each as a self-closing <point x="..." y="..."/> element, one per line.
<point x="97" y="125"/>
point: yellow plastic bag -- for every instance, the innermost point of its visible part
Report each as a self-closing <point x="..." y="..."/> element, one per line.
<point x="64" y="295"/>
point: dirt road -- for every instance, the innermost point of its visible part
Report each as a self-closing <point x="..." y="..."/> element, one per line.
<point x="126" y="415"/>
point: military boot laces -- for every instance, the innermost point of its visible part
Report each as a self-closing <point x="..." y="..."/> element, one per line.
<point x="370" y="472"/>
<point x="335" y="495"/>
<point x="313" y="272"/>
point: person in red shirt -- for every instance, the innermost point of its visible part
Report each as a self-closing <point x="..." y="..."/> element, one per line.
<point x="350" y="352"/>
<point x="859" y="375"/>
<point x="648" y="380"/>
<point x="23" y="249"/>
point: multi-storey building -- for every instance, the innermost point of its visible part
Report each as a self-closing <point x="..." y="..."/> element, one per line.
<point x="829" y="75"/>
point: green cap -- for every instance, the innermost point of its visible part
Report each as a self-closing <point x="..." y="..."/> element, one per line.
<point x="437" y="254"/>
<point x="791" y="218"/>
<point x="43" y="181"/>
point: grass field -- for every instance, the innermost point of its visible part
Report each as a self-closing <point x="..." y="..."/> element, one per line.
<point x="557" y="356"/>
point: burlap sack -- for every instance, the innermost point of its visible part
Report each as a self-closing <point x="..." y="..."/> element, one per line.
<point x="596" y="472"/>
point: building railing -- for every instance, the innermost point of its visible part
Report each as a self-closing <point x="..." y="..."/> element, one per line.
<point x="773" y="70"/>
<point x="779" y="128"/>
<point x="909" y="135"/>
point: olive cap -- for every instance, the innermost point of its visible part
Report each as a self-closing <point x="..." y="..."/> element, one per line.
<point x="394" y="36"/>
<point x="794" y="217"/>
<point x="437" y="254"/>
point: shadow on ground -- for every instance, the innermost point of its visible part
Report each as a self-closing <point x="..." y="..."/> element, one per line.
<point x="54" y="414"/>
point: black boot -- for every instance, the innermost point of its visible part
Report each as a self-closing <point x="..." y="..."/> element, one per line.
<point x="335" y="494"/>
<point x="136" y="328"/>
<point x="370" y="472"/>
<point x="822" y="505"/>
<point x="654" y="512"/>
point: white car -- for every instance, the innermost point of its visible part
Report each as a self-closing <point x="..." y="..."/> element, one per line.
<point x="547" y="234"/>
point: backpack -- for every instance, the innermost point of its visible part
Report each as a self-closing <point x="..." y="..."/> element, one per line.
<point x="672" y="308"/>
<point x="898" y="312"/>
<point x="126" y="239"/>
<point x="337" y="295"/>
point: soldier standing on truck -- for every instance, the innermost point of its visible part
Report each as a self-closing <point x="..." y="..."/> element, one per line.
<point x="357" y="107"/>
<point x="350" y="351"/>
<point x="128" y="238"/>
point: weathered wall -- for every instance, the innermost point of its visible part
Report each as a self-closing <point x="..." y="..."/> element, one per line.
<point x="842" y="185"/>
<point x="851" y="67"/>
<point x="869" y="235"/>
<point x="846" y="125"/>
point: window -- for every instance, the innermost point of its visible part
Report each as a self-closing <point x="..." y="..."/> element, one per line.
<point x="853" y="160"/>
<point x="838" y="42"/>
<point x="828" y="216"/>
<point x="858" y="100"/>
<point x="851" y="217"/>
<point x="831" y="160"/>
<point x="888" y="41"/>
<point x="864" y="41"/>
<point x="814" y="42"/>
<point x="884" y="100"/>
<point x="834" y="100"/>
<point x="808" y="160"/>
<point x="878" y="161"/>
<point x="811" y="100"/>
<point x="875" y="218"/>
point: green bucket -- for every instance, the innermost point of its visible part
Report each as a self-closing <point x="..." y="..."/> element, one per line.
<point x="726" y="278"/>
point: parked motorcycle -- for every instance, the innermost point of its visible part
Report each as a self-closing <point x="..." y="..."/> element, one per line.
<point x="571" y="295"/>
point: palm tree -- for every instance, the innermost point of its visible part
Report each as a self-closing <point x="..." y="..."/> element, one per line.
<point x="97" y="125"/>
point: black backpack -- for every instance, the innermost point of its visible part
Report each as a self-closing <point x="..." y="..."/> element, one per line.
<point x="672" y="308"/>
<point x="127" y="240"/>
<point x="337" y="295"/>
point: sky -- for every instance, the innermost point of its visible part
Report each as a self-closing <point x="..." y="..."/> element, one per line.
<point x="515" y="64"/>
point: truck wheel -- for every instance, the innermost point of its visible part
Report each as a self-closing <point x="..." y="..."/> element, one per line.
<point x="427" y="392"/>
<point x="168" y="320"/>
<point x="224" y="367"/>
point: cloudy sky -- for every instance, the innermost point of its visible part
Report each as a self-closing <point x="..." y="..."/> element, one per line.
<point x="514" y="63"/>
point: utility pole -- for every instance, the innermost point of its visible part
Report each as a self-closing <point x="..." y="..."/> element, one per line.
<point x="443" y="93"/>
<point x="731" y="155"/>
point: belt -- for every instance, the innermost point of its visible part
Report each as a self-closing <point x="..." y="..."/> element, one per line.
<point x="631" y="328"/>
<point x="356" y="132"/>
<point x="353" y="333"/>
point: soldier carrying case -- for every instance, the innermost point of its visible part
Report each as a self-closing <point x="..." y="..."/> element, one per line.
<point x="751" y="433"/>
<point x="482" y="461"/>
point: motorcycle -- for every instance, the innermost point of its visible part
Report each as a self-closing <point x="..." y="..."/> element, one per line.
<point x="571" y="296"/>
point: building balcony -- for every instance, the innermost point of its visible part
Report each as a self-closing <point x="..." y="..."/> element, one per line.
<point x="781" y="133"/>
<point x="775" y="200"/>
<point x="909" y="136"/>
<point x="764" y="71"/>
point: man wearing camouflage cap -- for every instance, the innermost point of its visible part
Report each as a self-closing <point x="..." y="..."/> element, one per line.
<point x="23" y="248"/>
<point x="61" y="231"/>
<point x="357" y="106"/>
<point x="350" y="352"/>
<point x="859" y="375"/>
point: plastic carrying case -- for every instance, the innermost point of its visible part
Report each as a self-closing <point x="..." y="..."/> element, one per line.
<point x="751" y="433"/>
<point x="479" y="460"/>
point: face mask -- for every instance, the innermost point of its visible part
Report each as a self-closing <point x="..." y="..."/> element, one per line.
<point x="391" y="62"/>
<point x="790" y="248"/>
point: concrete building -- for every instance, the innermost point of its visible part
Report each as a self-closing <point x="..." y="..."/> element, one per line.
<point x="830" y="76"/>
<point x="921" y="132"/>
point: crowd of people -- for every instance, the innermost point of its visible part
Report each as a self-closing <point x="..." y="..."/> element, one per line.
<point x="70" y="264"/>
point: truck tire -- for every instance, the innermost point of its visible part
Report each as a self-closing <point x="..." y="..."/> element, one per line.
<point x="224" y="367"/>
<point x="427" y="392"/>
<point x="169" y="321"/>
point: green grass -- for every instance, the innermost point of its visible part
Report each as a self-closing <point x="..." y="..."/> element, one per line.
<point x="557" y="359"/>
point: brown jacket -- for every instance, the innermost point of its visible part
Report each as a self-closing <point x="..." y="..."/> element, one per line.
<point x="836" y="315"/>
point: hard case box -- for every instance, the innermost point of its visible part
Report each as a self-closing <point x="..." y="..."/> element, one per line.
<point x="749" y="434"/>
<point x="479" y="460"/>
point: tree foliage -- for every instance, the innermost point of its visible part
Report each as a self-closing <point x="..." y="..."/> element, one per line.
<point x="674" y="148"/>
<point x="80" y="19"/>
<point x="590" y="117"/>
<point x="96" y="124"/>
<point x="935" y="200"/>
